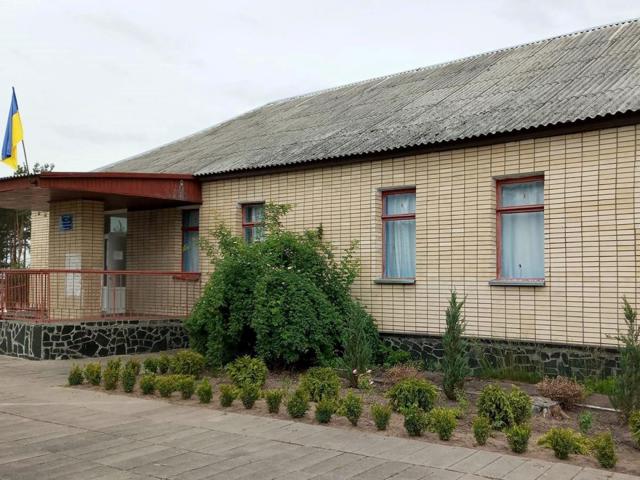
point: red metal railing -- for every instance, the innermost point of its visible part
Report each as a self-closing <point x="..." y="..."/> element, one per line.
<point x="55" y="295"/>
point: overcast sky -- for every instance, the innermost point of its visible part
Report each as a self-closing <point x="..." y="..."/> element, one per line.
<point x="98" y="81"/>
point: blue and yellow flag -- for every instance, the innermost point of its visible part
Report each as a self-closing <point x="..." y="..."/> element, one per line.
<point x="12" y="136"/>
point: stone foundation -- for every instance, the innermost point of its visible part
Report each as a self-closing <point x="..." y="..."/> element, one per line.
<point x="547" y="359"/>
<point x="90" y="339"/>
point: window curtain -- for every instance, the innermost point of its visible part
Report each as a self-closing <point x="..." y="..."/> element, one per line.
<point x="190" y="257"/>
<point x="523" y="245"/>
<point x="400" y="248"/>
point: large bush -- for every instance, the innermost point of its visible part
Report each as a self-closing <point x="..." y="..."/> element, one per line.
<point x="285" y="299"/>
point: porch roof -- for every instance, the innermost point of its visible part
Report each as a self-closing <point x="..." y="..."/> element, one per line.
<point x="134" y="191"/>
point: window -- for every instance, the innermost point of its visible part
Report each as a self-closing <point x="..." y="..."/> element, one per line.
<point x="190" y="236"/>
<point x="253" y="222"/>
<point x="399" y="233"/>
<point x="520" y="228"/>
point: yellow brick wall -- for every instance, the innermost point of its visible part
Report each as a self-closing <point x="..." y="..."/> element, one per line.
<point x="592" y="210"/>
<point x="39" y="240"/>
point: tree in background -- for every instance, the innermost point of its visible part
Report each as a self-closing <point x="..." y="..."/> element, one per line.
<point x="15" y="227"/>
<point x="455" y="364"/>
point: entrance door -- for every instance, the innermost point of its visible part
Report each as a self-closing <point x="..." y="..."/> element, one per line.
<point x="115" y="259"/>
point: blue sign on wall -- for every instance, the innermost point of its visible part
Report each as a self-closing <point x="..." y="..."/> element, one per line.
<point x="66" y="222"/>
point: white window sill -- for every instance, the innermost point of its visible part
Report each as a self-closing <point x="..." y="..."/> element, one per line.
<point x="516" y="283"/>
<point x="395" y="281"/>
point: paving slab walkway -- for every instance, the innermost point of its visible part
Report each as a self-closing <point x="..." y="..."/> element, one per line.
<point x="48" y="431"/>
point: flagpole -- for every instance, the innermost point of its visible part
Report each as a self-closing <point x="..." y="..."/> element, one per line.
<point x="24" y="150"/>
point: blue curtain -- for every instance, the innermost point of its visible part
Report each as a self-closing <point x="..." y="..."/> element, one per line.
<point x="523" y="245"/>
<point x="400" y="236"/>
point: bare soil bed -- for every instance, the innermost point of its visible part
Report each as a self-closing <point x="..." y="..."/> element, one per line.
<point x="628" y="454"/>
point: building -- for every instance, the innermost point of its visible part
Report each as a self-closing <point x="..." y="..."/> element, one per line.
<point x="510" y="176"/>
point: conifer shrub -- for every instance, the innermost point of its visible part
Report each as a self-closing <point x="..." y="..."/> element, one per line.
<point x="564" y="442"/>
<point x="148" y="383"/>
<point x="247" y="371"/>
<point x="604" y="450"/>
<point x="298" y="404"/>
<point x="521" y="405"/>
<point x="493" y="404"/>
<point x="325" y="409"/>
<point x="455" y="362"/>
<point x="351" y="407"/>
<point x="128" y="378"/>
<point x="186" y="384"/>
<point x="359" y="347"/>
<point x="164" y="363"/>
<point x="518" y="437"/>
<point x="634" y="426"/>
<point x="412" y="391"/>
<point x="228" y="393"/>
<point x="166" y="385"/>
<point x="75" y="375"/>
<point x="249" y="393"/>
<point x="93" y="373"/>
<point x="415" y="421"/>
<point x="481" y="429"/>
<point x="321" y="382"/>
<point x="134" y="365"/>
<point x="204" y="391"/>
<point x="150" y="365"/>
<point x="187" y="362"/>
<point x="381" y="415"/>
<point x="585" y="422"/>
<point x="274" y="399"/>
<point x="443" y="422"/>
<point x="111" y="374"/>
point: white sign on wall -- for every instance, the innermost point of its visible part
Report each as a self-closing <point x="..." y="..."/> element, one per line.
<point x="73" y="281"/>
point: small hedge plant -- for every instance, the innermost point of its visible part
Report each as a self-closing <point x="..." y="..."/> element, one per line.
<point x="495" y="404"/>
<point x="415" y="421"/>
<point x="410" y="392"/>
<point x="164" y="363"/>
<point x="134" y="365"/>
<point x="634" y="426"/>
<point x="298" y="404"/>
<point x="585" y="422"/>
<point x="150" y="365"/>
<point x="93" y="373"/>
<point x="128" y="378"/>
<point x="521" y="405"/>
<point x="443" y="422"/>
<point x="166" y="385"/>
<point x="148" y="383"/>
<point x="204" y="391"/>
<point x="186" y="384"/>
<point x="111" y="374"/>
<point x="321" y="382"/>
<point x="325" y="409"/>
<point x="228" y="393"/>
<point x="249" y="393"/>
<point x="75" y="375"/>
<point x="518" y="437"/>
<point x="564" y="442"/>
<point x="351" y="407"/>
<point x="604" y="450"/>
<point x="187" y="362"/>
<point x="381" y="415"/>
<point x="247" y="371"/>
<point x="274" y="399"/>
<point x="481" y="429"/>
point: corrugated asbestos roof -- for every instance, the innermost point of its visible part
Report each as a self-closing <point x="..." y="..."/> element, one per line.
<point x="573" y="77"/>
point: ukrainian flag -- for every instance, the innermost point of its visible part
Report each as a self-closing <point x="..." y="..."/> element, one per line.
<point x="12" y="136"/>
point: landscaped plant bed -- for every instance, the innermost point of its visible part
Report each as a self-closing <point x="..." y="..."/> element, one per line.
<point x="628" y="455"/>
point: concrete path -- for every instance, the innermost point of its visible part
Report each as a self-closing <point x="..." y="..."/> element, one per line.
<point x="48" y="431"/>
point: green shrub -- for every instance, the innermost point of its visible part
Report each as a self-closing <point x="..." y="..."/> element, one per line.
<point x="443" y="422"/>
<point x="493" y="403"/>
<point x="150" y="365"/>
<point x="249" y="393"/>
<point x="285" y="299"/>
<point x="164" y="363"/>
<point x="521" y="405"/>
<point x="247" y="371"/>
<point x="325" y="408"/>
<point x="585" y="422"/>
<point x="455" y="362"/>
<point x="93" y="373"/>
<point x="393" y="356"/>
<point x="128" y="378"/>
<point x="518" y="437"/>
<point x="626" y="394"/>
<point x="187" y="362"/>
<point x="321" y="382"/>
<point x="359" y="345"/>
<point x="274" y="399"/>
<point x="481" y="429"/>
<point x="604" y="450"/>
<point x="415" y="421"/>
<point x="186" y="384"/>
<point x="148" y="383"/>
<point x="228" y="393"/>
<point x="603" y="386"/>
<point x="204" y="391"/>
<point x="298" y="404"/>
<point x="134" y="365"/>
<point x="381" y="415"/>
<point x="634" y="426"/>
<point x="412" y="391"/>
<point x="111" y="374"/>
<point x="75" y="375"/>
<point x="566" y="391"/>
<point x="351" y="407"/>
<point x="564" y="442"/>
<point x="166" y="385"/>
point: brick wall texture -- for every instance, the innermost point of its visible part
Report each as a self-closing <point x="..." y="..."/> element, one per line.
<point x="592" y="211"/>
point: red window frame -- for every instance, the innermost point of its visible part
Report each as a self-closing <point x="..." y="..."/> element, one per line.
<point x="246" y="224"/>
<point x="187" y="229"/>
<point x="500" y="210"/>
<point x="386" y="218"/>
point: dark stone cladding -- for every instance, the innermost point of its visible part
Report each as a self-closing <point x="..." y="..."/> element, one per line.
<point x="547" y="358"/>
<point x="90" y="339"/>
